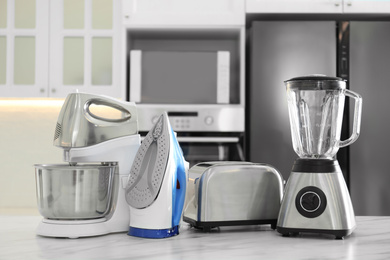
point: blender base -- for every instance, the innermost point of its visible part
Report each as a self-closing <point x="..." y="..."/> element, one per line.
<point x="339" y="234"/>
<point x="316" y="200"/>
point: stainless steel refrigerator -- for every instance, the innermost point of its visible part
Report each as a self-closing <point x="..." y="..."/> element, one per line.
<point x="358" y="51"/>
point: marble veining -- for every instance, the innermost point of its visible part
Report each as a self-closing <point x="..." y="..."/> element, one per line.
<point x="370" y="240"/>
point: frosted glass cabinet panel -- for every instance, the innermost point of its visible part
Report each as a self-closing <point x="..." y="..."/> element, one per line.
<point x="3" y="13"/>
<point x="101" y="61"/>
<point x="73" y="61"/>
<point x="24" y="60"/>
<point x="73" y="14"/>
<point x="25" y="14"/>
<point x="3" y="57"/>
<point x="102" y="14"/>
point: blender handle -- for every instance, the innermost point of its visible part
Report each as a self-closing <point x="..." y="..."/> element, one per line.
<point x="356" y="118"/>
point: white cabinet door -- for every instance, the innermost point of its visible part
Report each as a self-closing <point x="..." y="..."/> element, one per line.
<point x="366" y="6"/>
<point x="318" y="6"/>
<point x="52" y="48"/>
<point x="23" y="48"/>
<point x="294" y="6"/>
<point x="183" y="12"/>
<point x="85" y="47"/>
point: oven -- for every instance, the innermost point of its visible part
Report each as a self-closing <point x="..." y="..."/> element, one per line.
<point x="196" y="75"/>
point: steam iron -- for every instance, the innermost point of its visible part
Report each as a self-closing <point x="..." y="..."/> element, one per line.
<point x="156" y="186"/>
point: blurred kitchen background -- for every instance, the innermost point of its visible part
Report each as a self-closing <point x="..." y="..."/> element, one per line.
<point x="51" y="48"/>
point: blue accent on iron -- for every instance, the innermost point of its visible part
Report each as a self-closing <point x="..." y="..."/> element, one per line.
<point x="178" y="194"/>
<point x="153" y="233"/>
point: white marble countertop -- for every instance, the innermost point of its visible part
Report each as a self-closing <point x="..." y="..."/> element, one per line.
<point x="370" y="240"/>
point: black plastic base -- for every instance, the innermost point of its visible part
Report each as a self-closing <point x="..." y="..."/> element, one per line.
<point x="339" y="233"/>
<point x="208" y="225"/>
<point x="316" y="165"/>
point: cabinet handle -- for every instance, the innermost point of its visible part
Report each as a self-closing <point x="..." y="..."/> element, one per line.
<point x="53" y="90"/>
<point x="349" y="3"/>
<point x="42" y="90"/>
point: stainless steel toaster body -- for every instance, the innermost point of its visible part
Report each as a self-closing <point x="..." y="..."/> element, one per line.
<point x="233" y="193"/>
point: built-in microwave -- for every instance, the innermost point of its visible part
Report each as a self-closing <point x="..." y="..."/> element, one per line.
<point x="196" y="75"/>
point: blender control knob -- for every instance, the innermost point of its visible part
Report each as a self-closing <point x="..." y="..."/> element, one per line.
<point x="310" y="202"/>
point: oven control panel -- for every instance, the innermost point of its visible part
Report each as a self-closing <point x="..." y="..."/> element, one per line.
<point x="229" y="119"/>
<point x="183" y="121"/>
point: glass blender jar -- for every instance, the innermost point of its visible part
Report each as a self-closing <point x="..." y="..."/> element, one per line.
<point x="316" y="197"/>
<point x="316" y="105"/>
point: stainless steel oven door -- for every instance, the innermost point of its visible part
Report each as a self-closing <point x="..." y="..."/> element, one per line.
<point x="211" y="148"/>
<point x="207" y="148"/>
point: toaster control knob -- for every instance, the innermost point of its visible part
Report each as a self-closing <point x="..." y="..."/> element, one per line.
<point x="310" y="202"/>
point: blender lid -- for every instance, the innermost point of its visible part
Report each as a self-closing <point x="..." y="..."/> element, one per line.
<point x="316" y="82"/>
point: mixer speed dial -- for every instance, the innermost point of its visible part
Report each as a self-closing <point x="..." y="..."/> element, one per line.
<point x="310" y="202"/>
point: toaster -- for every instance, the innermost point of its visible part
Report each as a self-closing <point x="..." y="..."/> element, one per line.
<point x="232" y="193"/>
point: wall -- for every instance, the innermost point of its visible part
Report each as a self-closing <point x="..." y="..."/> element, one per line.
<point x="26" y="138"/>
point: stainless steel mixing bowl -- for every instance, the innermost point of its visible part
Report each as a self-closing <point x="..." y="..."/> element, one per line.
<point x="75" y="192"/>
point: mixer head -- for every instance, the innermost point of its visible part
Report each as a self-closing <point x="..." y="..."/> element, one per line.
<point x="79" y="126"/>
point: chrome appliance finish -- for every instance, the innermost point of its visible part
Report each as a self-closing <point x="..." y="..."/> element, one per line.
<point x="84" y="198"/>
<point x="338" y="215"/>
<point x="316" y="199"/>
<point x="78" y="192"/>
<point x="78" y="126"/>
<point x="233" y="193"/>
<point x="317" y="203"/>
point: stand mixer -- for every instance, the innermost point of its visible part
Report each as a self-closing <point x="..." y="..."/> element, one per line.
<point x="86" y="197"/>
<point x="316" y="198"/>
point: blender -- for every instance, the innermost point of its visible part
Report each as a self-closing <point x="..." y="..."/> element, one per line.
<point x="316" y="198"/>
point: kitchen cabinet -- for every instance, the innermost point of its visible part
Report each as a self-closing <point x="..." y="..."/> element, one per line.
<point x="85" y="48"/>
<point x="318" y="6"/>
<point x="296" y="6"/>
<point x="159" y="13"/>
<point x="374" y="7"/>
<point x="52" y="48"/>
<point x="24" y="66"/>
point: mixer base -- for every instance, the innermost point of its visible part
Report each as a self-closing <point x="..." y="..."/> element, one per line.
<point x="77" y="228"/>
